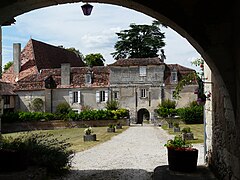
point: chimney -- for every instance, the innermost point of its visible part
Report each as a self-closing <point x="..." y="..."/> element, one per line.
<point x="65" y="74"/>
<point x="16" y="58"/>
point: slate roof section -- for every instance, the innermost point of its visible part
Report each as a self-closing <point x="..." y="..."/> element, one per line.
<point x="100" y="78"/>
<point x="137" y="62"/>
<point x="37" y="55"/>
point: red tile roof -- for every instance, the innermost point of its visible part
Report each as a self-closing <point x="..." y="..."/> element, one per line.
<point x="137" y="62"/>
<point x="36" y="81"/>
<point x="37" y="55"/>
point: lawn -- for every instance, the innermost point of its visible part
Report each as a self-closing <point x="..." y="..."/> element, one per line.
<point x="75" y="136"/>
<point x="197" y="129"/>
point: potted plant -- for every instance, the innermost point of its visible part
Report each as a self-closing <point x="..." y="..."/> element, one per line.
<point x="111" y="128"/>
<point x="88" y="136"/>
<point x="187" y="134"/>
<point x="176" y="127"/>
<point x="181" y="156"/>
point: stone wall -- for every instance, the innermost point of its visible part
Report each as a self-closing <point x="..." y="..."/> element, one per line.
<point x="58" y="124"/>
<point x="224" y="156"/>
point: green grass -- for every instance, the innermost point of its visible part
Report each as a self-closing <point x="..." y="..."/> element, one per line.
<point x="75" y="136"/>
<point x="197" y="129"/>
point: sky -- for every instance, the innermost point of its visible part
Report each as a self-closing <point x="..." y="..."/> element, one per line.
<point x="67" y="26"/>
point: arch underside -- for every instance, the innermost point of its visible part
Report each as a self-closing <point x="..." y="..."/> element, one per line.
<point x="212" y="28"/>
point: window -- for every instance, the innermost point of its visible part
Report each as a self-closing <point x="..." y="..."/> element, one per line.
<point x="174" y="77"/>
<point x="88" y="78"/>
<point x="74" y="97"/>
<point x="115" y="94"/>
<point x="143" y="93"/>
<point x="142" y="71"/>
<point x="101" y="96"/>
<point x="6" y="99"/>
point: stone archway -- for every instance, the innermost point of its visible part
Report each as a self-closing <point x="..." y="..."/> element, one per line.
<point x="212" y="27"/>
<point x="142" y="115"/>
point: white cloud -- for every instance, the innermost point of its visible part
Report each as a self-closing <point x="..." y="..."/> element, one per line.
<point x="66" y="25"/>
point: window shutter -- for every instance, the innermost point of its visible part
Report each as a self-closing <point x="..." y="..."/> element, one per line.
<point x="79" y="97"/>
<point x="70" y="97"/>
<point x="97" y="96"/>
<point x="106" y="96"/>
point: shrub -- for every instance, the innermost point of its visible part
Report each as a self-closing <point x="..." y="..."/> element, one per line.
<point x="10" y="117"/>
<point x="63" y="108"/>
<point x="186" y="130"/>
<point x="41" y="150"/>
<point x="167" y="108"/>
<point x="192" y="114"/>
<point x="37" y="105"/>
<point x="112" y="105"/>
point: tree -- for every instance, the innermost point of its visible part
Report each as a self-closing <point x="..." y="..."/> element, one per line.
<point x="140" y="41"/>
<point x="94" y="59"/>
<point x="7" y="65"/>
<point x="76" y="51"/>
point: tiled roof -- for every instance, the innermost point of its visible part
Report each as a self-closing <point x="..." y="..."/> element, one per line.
<point x="6" y="88"/>
<point x="137" y="62"/>
<point x="37" y="55"/>
<point x="181" y="72"/>
<point x="36" y="81"/>
<point x="48" y="56"/>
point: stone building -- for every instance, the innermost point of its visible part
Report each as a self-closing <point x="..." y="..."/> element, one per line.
<point x="141" y="84"/>
<point x="56" y="75"/>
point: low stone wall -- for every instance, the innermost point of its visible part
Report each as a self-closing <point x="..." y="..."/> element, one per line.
<point x="58" y="124"/>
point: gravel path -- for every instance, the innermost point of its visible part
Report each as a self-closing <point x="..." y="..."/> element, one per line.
<point x="133" y="154"/>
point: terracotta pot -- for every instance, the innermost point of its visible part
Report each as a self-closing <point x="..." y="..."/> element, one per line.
<point x="182" y="160"/>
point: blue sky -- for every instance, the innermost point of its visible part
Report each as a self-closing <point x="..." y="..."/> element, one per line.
<point x="66" y="25"/>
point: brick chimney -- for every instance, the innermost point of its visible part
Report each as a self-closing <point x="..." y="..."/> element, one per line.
<point x="16" y="58"/>
<point x="65" y="73"/>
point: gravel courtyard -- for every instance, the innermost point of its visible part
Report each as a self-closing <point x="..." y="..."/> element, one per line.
<point x="133" y="154"/>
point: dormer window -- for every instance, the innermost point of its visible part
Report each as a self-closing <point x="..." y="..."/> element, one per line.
<point x="174" y="77"/>
<point x="88" y="77"/>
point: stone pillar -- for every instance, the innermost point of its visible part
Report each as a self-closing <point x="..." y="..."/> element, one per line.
<point x="0" y="51"/>
<point x="208" y="111"/>
<point x="48" y="100"/>
<point x="16" y="58"/>
<point x="65" y="73"/>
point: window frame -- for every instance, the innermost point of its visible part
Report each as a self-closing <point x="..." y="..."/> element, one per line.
<point x="143" y="93"/>
<point x="143" y="71"/>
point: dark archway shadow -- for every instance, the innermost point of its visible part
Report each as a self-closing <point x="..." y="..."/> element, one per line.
<point x="202" y="173"/>
<point x="112" y="174"/>
<point x="142" y="114"/>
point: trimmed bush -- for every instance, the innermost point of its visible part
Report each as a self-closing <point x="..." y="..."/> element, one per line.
<point x="192" y="114"/>
<point x="167" y="108"/>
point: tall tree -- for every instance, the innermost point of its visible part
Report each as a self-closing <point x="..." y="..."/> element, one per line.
<point x="140" y="41"/>
<point x="94" y="59"/>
